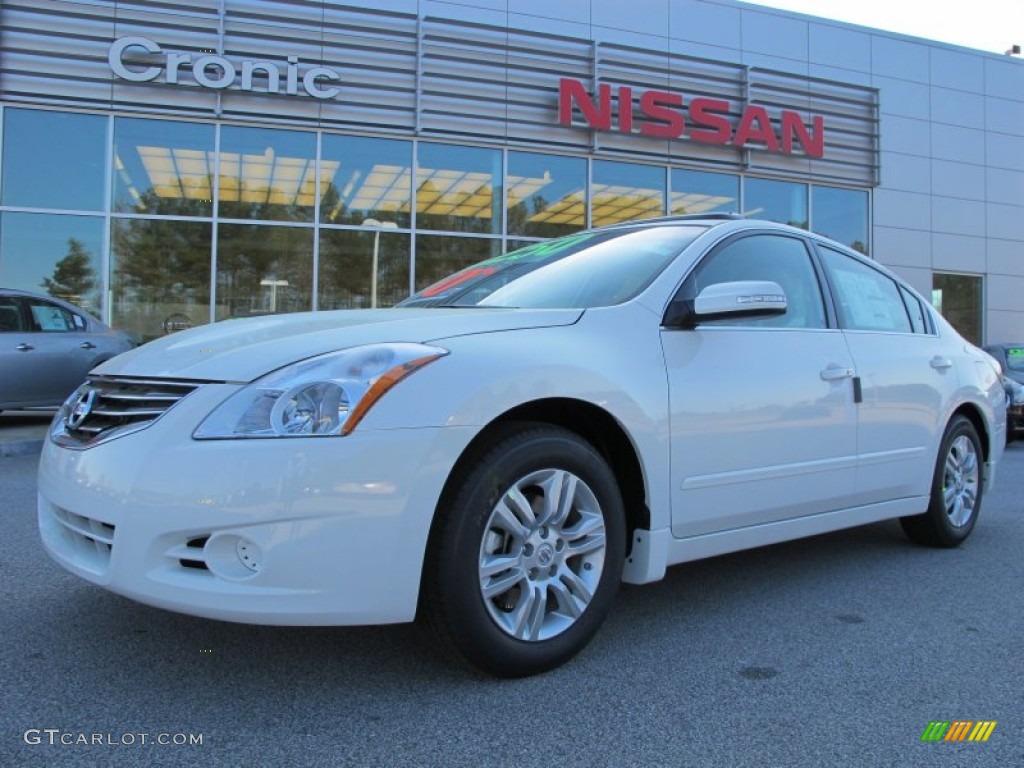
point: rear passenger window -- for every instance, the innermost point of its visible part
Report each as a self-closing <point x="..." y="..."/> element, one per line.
<point x="866" y="299"/>
<point x="918" y="321"/>
<point x="49" y="317"/>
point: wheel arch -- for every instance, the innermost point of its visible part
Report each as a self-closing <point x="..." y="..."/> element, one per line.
<point x="973" y="414"/>
<point x="590" y="422"/>
<point x="599" y="428"/>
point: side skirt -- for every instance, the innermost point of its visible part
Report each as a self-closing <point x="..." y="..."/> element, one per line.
<point x="652" y="551"/>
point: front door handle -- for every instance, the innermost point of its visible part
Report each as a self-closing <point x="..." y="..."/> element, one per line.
<point x="940" y="363"/>
<point x="23" y="347"/>
<point x="87" y="345"/>
<point x="835" y="373"/>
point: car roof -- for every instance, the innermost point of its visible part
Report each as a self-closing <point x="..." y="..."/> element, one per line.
<point x="687" y="218"/>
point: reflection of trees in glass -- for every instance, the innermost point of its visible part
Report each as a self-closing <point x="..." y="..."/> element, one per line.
<point x="439" y="256"/>
<point x="266" y="209"/>
<point x="346" y="261"/>
<point x="161" y="267"/>
<point x="73" y="278"/>
<point x="160" y="260"/>
<point x="334" y="210"/>
<point x="520" y="213"/>
<point x="432" y="200"/>
<point x="263" y="269"/>
<point x="151" y="202"/>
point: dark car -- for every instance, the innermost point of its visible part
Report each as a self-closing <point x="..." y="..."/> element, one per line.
<point x="1011" y="358"/>
<point x="1014" y="409"/>
<point x="47" y="346"/>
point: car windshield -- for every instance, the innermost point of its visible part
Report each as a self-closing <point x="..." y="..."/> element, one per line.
<point x="1015" y="359"/>
<point x="589" y="269"/>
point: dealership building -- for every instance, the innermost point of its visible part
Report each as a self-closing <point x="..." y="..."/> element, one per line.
<point x="167" y="163"/>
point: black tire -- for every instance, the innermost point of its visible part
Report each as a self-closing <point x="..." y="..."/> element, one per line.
<point x="957" y="489"/>
<point x="554" y="566"/>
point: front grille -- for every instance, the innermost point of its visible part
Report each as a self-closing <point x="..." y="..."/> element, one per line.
<point x="120" y="404"/>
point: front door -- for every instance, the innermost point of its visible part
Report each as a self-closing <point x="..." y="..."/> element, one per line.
<point x="763" y="423"/>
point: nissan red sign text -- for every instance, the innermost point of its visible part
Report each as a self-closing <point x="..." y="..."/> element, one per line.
<point x="666" y="115"/>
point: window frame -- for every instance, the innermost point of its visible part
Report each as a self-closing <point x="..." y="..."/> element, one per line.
<point x="683" y="289"/>
<point x="902" y="289"/>
<point x="29" y="301"/>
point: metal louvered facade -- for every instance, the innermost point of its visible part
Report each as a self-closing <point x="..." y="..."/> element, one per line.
<point x="412" y="75"/>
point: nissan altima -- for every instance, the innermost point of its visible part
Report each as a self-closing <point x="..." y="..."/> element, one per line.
<point x="498" y="453"/>
<point x="47" y="346"/>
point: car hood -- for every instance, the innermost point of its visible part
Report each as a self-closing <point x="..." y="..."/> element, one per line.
<point x="243" y="350"/>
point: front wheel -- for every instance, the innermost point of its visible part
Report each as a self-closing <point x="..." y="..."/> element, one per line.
<point x="527" y="552"/>
<point x="957" y="488"/>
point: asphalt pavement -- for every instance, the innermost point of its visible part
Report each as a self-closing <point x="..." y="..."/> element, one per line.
<point x="22" y="432"/>
<point x="833" y="651"/>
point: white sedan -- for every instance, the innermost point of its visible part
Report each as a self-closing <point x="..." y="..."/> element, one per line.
<point x="495" y="456"/>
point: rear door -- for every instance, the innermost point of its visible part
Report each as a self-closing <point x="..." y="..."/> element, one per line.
<point x="905" y="375"/>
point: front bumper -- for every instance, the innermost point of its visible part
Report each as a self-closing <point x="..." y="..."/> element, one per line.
<point x="1015" y="421"/>
<point x="302" y="531"/>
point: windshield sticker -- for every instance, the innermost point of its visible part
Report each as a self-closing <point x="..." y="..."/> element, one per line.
<point x="456" y="280"/>
<point x="542" y="250"/>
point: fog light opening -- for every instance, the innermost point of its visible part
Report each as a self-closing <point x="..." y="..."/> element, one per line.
<point x="233" y="557"/>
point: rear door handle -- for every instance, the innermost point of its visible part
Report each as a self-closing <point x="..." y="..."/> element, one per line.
<point x="23" y="347"/>
<point x="941" y="363"/>
<point x="835" y="373"/>
<point x="87" y="345"/>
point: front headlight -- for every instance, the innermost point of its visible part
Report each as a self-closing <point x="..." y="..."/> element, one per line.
<point x="1017" y="394"/>
<point x="322" y="396"/>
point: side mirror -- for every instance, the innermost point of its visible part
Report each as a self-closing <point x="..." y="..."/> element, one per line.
<point x="745" y="298"/>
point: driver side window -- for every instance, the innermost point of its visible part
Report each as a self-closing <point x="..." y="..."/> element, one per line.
<point x="781" y="259"/>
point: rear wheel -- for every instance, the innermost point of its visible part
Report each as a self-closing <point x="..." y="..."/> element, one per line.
<point x="956" y="493"/>
<point x="527" y="552"/>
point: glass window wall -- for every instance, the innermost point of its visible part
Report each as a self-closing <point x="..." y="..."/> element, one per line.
<point x="364" y="179"/>
<point x="625" y="192"/>
<point x="360" y="269"/>
<point x="54" y="254"/>
<point x="263" y="270"/>
<point x="546" y="194"/>
<point x="53" y="160"/>
<point x="163" y="167"/>
<point x="458" y="189"/>
<point x="267" y="174"/>
<point x="702" y="192"/>
<point x="438" y="256"/>
<point x="959" y="299"/>
<point x="159" y="275"/>
<point x="841" y="214"/>
<point x="782" y="201"/>
<point x="160" y="210"/>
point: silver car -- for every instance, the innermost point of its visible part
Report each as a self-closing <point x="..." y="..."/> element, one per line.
<point x="47" y="346"/>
